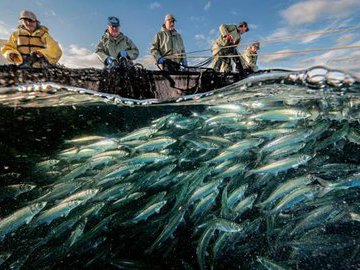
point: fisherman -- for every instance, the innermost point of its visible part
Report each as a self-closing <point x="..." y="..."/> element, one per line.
<point x="249" y="58"/>
<point x="31" y="42"/>
<point x="224" y="49"/>
<point x="168" y="47"/>
<point x="114" y="45"/>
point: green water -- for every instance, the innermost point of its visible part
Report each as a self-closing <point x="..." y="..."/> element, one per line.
<point x="262" y="174"/>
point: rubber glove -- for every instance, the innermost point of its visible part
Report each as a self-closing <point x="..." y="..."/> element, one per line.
<point x="109" y="60"/>
<point x="229" y="38"/>
<point x="123" y="53"/>
<point x="162" y="60"/>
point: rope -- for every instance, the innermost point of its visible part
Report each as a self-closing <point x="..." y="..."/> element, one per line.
<point x="287" y="52"/>
<point x="271" y="40"/>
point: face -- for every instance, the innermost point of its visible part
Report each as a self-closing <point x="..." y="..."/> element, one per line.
<point x="170" y="24"/>
<point x="254" y="49"/>
<point x="243" y="29"/>
<point x="114" y="30"/>
<point x="29" y="24"/>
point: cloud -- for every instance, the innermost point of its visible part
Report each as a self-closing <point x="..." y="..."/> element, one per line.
<point x="155" y="5"/>
<point x="253" y="26"/>
<point x="290" y="33"/>
<point x="207" y="6"/>
<point x="345" y="39"/>
<point x="276" y="56"/>
<point x="77" y="57"/>
<point x="196" y="19"/>
<point x="212" y="31"/>
<point x="325" y="58"/>
<point x="4" y="30"/>
<point x="200" y="37"/>
<point x="147" y="61"/>
<point x="204" y="41"/>
<point x="50" y="13"/>
<point x="312" y="10"/>
<point x="346" y="60"/>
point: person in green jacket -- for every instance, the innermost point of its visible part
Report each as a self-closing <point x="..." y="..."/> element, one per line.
<point x="249" y="58"/>
<point x="168" y="47"/>
<point x="115" y="45"/>
<point x="225" y="46"/>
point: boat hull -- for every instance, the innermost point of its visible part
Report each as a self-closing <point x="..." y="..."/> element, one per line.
<point x="133" y="82"/>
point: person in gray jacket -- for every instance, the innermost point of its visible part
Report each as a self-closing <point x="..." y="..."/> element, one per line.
<point x="224" y="48"/>
<point x="168" y="47"/>
<point x="115" y="45"/>
<point x="249" y="58"/>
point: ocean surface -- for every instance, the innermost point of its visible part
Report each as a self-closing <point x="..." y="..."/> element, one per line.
<point x="261" y="174"/>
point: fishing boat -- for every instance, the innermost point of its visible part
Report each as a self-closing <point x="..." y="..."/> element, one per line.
<point x="133" y="81"/>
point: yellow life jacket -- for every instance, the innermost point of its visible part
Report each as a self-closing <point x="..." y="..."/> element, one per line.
<point x="28" y="42"/>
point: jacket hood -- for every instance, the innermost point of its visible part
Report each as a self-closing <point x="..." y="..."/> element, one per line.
<point x="107" y="35"/>
<point x="163" y="28"/>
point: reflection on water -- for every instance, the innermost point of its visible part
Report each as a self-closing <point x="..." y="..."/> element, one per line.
<point x="264" y="174"/>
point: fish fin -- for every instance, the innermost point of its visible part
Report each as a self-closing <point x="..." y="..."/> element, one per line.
<point x="248" y="173"/>
<point x="326" y="186"/>
<point x="324" y="191"/>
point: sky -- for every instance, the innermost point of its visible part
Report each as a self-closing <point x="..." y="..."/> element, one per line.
<point x="293" y="34"/>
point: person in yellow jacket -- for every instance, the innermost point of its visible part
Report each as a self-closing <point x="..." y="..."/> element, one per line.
<point x="30" y="39"/>
<point x="226" y="44"/>
<point x="115" y="45"/>
<point x="168" y="47"/>
<point x="249" y="58"/>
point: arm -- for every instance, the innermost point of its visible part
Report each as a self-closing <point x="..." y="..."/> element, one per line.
<point x="183" y="59"/>
<point x="223" y="30"/>
<point x="101" y="52"/>
<point x="10" y="52"/>
<point x="133" y="52"/>
<point x="227" y="33"/>
<point x="154" y="49"/>
<point x="52" y="51"/>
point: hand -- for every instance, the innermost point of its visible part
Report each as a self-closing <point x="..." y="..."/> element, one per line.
<point x="36" y="54"/>
<point x="14" y="57"/>
<point x="229" y="38"/>
<point x="109" y="60"/>
<point x="123" y="53"/>
<point x="162" y="60"/>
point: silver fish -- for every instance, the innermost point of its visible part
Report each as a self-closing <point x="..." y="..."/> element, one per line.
<point x="156" y="144"/>
<point x="144" y="214"/>
<point x="268" y="264"/>
<point x="23" y="216"/>
<point x="13" y="191"/>
<point x="60" y="210"/>
<point x="282" y="164"/>
<point x="236" y="195"/>
<point x="139" y="134"/>
<point x="83" y="196"/>
<point x="147" y="158"/>
<point x="204" y="190"/>
<point x="85" y="139"/>
<point x="281" y="115"/>
<point x="287" y="187"/>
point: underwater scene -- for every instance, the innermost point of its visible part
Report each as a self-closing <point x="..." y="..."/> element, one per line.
<point x="261" y="174"/>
